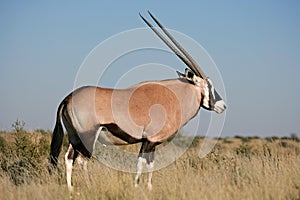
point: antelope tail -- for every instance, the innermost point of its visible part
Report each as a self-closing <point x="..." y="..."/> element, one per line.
<point x="57" y="136"/>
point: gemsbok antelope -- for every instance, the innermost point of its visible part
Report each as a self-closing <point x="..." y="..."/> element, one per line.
<point x="147" y="113"/>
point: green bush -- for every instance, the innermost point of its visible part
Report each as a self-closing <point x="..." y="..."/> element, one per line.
<point x="18" y="126"/>
<point x="243" y="139"/>
<point x="272" y="138"/>
<point x="226" y="141"/>
<point x="283" y="144"/>
<point x="295" y="137"/>
<point x="23" y="160"/>
<point x="244" y="150"/>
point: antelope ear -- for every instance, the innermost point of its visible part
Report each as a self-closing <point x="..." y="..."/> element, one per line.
<point x="180" y="75"/>
<point x="189" y="74"/>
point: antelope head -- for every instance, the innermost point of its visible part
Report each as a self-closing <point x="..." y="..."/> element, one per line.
<point x="211" y="100"/>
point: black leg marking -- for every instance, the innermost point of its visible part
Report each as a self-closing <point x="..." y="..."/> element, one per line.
<point x="146" y="156"/>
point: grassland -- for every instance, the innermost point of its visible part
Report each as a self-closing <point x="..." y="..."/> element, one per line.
<point x="237" y="168"/>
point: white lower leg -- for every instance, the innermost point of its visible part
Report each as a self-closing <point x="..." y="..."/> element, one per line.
<point x="150" y="171"/>
<point x="140" y="163"/>
<point x="69" y="166"/>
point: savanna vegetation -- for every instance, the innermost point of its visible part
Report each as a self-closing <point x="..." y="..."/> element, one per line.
<point x="237" y="168"/>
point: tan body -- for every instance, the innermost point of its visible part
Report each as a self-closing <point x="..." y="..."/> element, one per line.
<point x="151" y="110"/>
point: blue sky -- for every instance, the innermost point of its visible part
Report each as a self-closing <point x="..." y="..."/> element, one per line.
<point x="255" y="45"/>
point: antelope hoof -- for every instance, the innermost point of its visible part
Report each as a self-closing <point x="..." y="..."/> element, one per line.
<point x="70" y="188"/>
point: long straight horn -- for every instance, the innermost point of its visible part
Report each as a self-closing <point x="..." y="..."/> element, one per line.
<point x="186" y="61"/>
<point x="196" y="68"/>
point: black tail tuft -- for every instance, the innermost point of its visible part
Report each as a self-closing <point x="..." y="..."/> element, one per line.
<point x="57" y="138"/>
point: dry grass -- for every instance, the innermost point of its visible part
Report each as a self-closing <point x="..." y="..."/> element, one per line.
<point x="255" y="169"/>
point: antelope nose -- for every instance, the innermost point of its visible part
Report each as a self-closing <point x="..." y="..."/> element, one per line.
<point x="220" y="106"/>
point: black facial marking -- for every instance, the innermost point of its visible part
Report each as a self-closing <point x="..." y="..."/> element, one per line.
<point x="211" y="101"/>
<point x="217" y="96"/>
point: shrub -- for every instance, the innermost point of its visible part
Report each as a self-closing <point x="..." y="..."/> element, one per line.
<point x="254" y="137"/>
<point x="243" y="139"/>
<point x="244" y="150"/>
<point x="18" y="126"/>
<point x="42" y="131"/>
<point x="295" y="137"/>
<point x="226" y="141"/>
<point x="23" y="159"/>
<point x="283" y="144"/>
<point x="272" y="138"/>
